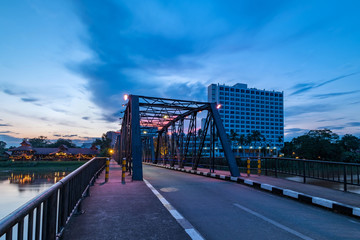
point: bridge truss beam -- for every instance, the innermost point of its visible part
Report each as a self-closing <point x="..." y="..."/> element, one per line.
<point x="167" y="121"/>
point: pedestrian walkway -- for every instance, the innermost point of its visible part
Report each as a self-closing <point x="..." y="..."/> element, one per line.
<point x="123" y="211"/>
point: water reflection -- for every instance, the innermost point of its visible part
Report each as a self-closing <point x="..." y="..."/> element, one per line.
<point x="17" y="188"/>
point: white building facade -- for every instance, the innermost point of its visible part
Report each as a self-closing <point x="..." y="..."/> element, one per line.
<point x="245" y="110"/>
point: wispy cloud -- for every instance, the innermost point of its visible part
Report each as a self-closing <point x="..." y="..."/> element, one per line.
<point x="13" y="93"/>
<point x="5" y="125"/>
<point x="353" y="124"/>
<point x="70" y="136"/>
<point x="308" y="108"/>
<point x="305" y="87"/>
<point x="28" y="99"/>
<point x="86" y="118"/>
<point x="328" y="95"/>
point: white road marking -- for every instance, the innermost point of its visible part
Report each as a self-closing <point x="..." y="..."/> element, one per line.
<point x="279" y="225"/>
<point x="192" y="232"/>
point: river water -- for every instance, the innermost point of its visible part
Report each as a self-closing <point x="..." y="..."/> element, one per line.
<point x="17" y="188"/>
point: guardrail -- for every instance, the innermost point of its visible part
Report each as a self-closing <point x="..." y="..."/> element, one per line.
<point x="338" y="172"/>
<point x="45" y="216"/>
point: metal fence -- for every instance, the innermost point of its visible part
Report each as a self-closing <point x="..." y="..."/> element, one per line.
<point x="45" y="216"/>
<point x="338" y="172"/>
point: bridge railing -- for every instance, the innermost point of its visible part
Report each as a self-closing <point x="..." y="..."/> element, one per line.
<point x="45" y="216"/>
<point x="337" y="172"/>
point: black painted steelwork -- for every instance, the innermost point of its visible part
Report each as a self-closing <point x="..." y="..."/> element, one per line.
<point x="172" y="123"/>
<point x="338" y="172"/>
<point x="47" y="214"/>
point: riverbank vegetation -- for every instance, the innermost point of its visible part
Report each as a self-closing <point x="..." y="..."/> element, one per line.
<point x="324" y="145"/>
<point x="34" y="166"/>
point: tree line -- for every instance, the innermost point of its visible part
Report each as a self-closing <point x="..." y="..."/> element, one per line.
<point x="324" y="145"/>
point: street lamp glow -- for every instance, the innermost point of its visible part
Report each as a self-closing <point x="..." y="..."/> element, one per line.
<point x="144" y="132"/>
<point x="111" y="151"/>
<point x="126" y="97"/>
<point x="166" y="116"/>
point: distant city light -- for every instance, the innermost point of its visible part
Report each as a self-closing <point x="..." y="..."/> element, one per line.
<point x="166" y="116"/>
<point x="126" y="97"/>
<point x="144" y="132"/>
<point x="218" y="106"/>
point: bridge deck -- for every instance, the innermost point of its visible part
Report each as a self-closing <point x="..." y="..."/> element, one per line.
<point x="117" y="211"/>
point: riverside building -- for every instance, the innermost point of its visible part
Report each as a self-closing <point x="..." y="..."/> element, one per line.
<point x="244" y="110"/>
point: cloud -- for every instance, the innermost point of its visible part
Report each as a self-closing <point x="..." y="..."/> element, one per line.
<point x="28" y="99"/>
<point x="194" y="91"/>
<point x="305" y="87"/>
<point x="12" y="93"/>
<point x="295" y="130"/>
<point x="69" y="136"/>
<point x="86" y="118"/>
<point x="57" y="135"/>
<point x="5" y="125"/>
<point x="333" y="127"/>
<point x="328" y="95"/>
<point x="10" y="141"/>
<point x="142" y="48"/>
<point x="308" y="108"/>
<point x="353" y="124"/>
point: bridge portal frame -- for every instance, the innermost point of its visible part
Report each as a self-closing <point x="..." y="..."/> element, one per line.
<point x="166" y="114"/>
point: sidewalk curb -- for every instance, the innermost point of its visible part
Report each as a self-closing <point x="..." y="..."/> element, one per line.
<point x="316" y="201"/>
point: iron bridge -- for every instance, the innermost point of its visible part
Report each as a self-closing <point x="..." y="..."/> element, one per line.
<point x="172" y="123"/>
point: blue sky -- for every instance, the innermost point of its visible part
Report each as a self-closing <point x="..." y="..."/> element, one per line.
<point x="65" y="65"/>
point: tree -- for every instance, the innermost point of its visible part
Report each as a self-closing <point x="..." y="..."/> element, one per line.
<point x="61" y="141"/>
<point x="350" y="143"/>
<point x="2" y="147"/>
<point x="39" y="142"/>
<point x="233" y="137"/>
<point x="316" y="145"/>
<point x="256" y="137"/>
<point x="105" y="144"/>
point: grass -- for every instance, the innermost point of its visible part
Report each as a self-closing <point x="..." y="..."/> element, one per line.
<point x="38" y="166"/>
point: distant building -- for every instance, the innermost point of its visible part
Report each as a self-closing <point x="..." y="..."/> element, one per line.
<point x="244" y="110"/>
<point x="27" y="153"/>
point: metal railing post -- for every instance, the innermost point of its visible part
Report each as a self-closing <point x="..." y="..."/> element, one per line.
<point x="304" y="171"/>
<point x="266" y="166"/>
<point x="276" y="167"/>
<point x="345" y="179"/>
<point x="259" y="166"/>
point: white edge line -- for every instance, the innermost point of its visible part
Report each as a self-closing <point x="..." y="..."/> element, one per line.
<point x="195" y="235"/>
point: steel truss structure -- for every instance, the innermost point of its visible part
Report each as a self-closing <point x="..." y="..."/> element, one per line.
<point x="172" y="123"/>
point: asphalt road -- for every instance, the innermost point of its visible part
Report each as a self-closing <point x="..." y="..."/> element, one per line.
<point x="226" y="210"/>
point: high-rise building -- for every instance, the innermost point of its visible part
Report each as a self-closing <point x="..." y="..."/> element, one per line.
<point x="244" y="110"/>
